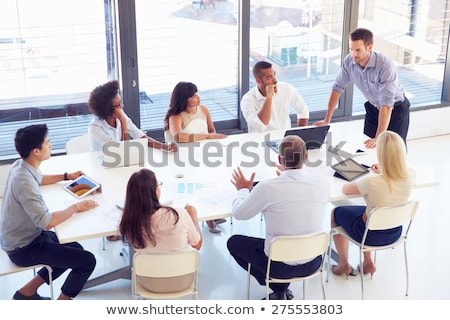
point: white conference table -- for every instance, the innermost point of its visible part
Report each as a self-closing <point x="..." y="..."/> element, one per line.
<point x="197" y="174"/>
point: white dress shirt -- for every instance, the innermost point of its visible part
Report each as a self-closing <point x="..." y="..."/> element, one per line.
<point x="292" y="203"/>
<point x="287" y="97"/>
<point x="100" y="132"/>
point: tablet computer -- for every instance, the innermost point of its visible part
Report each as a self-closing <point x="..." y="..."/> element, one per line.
<point x="82" y="186"/>
<point x="349" y="169"/>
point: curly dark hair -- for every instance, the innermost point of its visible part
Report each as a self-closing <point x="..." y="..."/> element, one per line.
<point x="100" y="99"/>
<point x="179" y="100"/>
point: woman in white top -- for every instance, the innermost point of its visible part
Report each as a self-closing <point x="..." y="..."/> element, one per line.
<point x="188" y="121"/>
<point x="150" y="227"/>
<point x="391" y="186"/>
<point x="111" y="122"/>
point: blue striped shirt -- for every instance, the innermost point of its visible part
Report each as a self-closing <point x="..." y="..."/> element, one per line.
<point x="378" y="81"/>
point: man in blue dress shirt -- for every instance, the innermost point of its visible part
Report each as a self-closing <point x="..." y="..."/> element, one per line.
<point x="375" y="75"/>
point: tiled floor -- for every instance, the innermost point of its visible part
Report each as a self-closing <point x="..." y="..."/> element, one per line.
<point x="222" y="279"/>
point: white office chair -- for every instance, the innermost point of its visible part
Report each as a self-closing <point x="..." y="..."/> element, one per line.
<point x="78" y="144"/>
<point x="294" y="248"/>
<point x="382" y="218"/>
<point x="8" y="267"/>
<point x="165" y="265"/>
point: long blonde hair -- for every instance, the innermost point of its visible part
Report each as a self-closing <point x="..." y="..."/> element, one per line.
<point x="391" y="153"/>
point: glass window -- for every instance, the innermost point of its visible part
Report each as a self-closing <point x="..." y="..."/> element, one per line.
<point x="414" y="35"/>
<point x="49" y="62"/>
<point x="193" y="41"/>
<point x="51" y="59"/>
<point x="302" y="40"/>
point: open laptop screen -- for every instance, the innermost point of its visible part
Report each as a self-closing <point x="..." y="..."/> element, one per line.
<point x="313" y="136"/>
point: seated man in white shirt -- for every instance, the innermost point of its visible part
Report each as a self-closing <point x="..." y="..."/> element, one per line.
<point x="292" y="204"/>
<point x="267" y="105"/>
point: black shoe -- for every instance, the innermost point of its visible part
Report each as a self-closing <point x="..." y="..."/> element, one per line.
<point x="35" y="296"/>
<point x="280" y="295"/>
<point x="289" y="294"/>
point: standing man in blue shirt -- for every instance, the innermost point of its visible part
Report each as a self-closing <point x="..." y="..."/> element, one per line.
<point x="375" y="75"/>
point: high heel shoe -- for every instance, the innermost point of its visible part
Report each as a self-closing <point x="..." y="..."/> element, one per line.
<point x="342" y="270"/>
<point x="368" y="268"/>
<point x="212" y="226"/>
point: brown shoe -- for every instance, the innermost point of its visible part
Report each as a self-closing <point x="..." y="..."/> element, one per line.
<point x="212" y="226"/>
<point x="340" y="270"/>
<point x="221" y="220"/>
<point x="368" y="268"/>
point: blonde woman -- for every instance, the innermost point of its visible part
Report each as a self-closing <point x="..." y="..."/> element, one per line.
<point x="391" y="186"/>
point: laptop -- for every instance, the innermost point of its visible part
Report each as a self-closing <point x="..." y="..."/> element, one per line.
<point x="313" y="136"/>
<point x="125" y="153"/>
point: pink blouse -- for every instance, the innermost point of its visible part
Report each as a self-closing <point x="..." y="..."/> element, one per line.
<point x="170" y="237"/>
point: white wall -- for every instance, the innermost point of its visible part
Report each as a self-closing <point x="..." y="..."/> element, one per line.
<point x="428" y="123"/>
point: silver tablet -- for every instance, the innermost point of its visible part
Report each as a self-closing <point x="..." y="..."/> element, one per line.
<point x="349" y="169"/>
<point x="82" y="186"/>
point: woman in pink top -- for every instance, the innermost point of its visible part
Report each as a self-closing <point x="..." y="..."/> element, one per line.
<point x="150" y="227"/>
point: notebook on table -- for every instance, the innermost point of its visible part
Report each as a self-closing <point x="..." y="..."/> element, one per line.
<point x="125" y="153"/>
<point x="346" y="150"/>
<point x="313" y="136"/>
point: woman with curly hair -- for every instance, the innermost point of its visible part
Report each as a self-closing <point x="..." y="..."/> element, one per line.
<point x="111" y="122"/>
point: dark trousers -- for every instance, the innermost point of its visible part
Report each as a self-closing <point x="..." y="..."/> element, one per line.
<point x="46" y="249"/>
<point x="251" y="250"/>
<point x="399" y="119"/>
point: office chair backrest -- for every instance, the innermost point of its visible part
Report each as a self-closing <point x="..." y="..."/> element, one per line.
<point x="78" y="144"/>
<point x="383" y="218"/>
<point x="299" y="247"/>
<point x="165" y="275"/>
<point x="163" y="265"/>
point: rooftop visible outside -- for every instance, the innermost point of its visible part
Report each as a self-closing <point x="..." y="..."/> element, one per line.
<point x="49" y="68"/>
